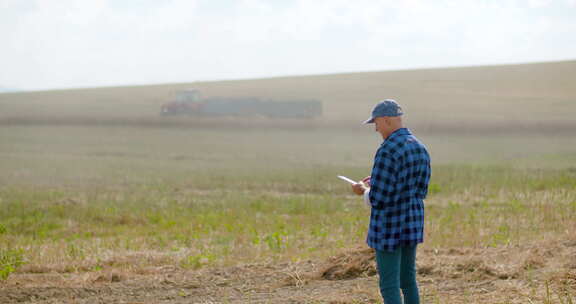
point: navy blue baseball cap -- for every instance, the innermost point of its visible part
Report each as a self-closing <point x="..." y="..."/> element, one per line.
<point x="387" y="107"/>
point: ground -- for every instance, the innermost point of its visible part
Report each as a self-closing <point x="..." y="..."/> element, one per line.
<point x="529" y="273"/>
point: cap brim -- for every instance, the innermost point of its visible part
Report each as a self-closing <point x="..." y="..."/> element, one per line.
<point x="369" y="121"/>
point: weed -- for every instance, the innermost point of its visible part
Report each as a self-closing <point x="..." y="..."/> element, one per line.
<point x="75" y="251"/>
<point x="434" y="188"/>
<point x="10" y="260"/>
<point x="276" y="240"/>
<point x="197" y="261"/>
<point x="501" y="236"/>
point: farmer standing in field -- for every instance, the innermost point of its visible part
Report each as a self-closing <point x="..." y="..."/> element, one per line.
<point x="396" y="190"/>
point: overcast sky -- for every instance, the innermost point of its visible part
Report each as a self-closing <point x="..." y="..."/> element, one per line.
<point x="47" y="44"/>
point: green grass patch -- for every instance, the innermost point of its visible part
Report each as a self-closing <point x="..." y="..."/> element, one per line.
<point x="488" y="206"/>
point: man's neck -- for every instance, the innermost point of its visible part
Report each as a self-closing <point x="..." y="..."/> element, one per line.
<point x="392" y="131"/>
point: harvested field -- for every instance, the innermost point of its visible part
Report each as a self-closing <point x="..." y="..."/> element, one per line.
<point x="102" y="201"/>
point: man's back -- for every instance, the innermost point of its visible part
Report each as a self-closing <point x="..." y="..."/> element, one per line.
<point x="399" y="183"/>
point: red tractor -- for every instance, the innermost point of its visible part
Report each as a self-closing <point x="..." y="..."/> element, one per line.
<point x="186" y="102"/>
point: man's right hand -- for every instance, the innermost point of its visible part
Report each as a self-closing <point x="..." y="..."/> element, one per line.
<point x="359" y="188"/>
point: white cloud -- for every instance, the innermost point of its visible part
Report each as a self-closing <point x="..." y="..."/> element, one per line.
<point x="9" y="4"/>
<point x="171" y="16"/>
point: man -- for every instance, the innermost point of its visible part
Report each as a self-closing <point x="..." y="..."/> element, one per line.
<point x="396" y="191"/>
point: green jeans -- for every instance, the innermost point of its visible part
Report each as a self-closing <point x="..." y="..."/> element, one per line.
<point x="397" y="270"/>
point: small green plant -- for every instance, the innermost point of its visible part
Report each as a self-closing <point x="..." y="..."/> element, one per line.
<point x="275" y="240"/>
<point x="197" y="261"/>
<point x="501" y="237"/>
<point x="75" y="251"/>
<point x="192" y="261"/>
<point x="10" y="260"/>
<point x="434" y="188"/>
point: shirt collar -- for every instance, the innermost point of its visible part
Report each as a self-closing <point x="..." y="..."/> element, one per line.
<point x="399" y="132"/>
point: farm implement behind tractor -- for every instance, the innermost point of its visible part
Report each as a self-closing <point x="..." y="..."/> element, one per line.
<point x="189" y="102"/>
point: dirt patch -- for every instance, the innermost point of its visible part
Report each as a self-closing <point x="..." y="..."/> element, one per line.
<point x="512" y="274"/>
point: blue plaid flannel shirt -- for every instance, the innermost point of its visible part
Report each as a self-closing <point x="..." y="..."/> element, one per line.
<point x="398" y="186"/>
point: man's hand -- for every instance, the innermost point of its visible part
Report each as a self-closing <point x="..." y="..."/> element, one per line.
<point x="359" y="188"/>
<point x="366" y="180"/>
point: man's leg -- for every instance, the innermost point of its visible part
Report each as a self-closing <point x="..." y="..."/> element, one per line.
<point x="388" y="264"/>
<point x="408" y="282"/>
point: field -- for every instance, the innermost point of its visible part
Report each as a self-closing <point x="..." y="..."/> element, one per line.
<point x="102" y="201"/>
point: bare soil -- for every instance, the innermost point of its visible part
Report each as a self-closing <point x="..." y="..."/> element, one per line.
<point x="528" y="273"/>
